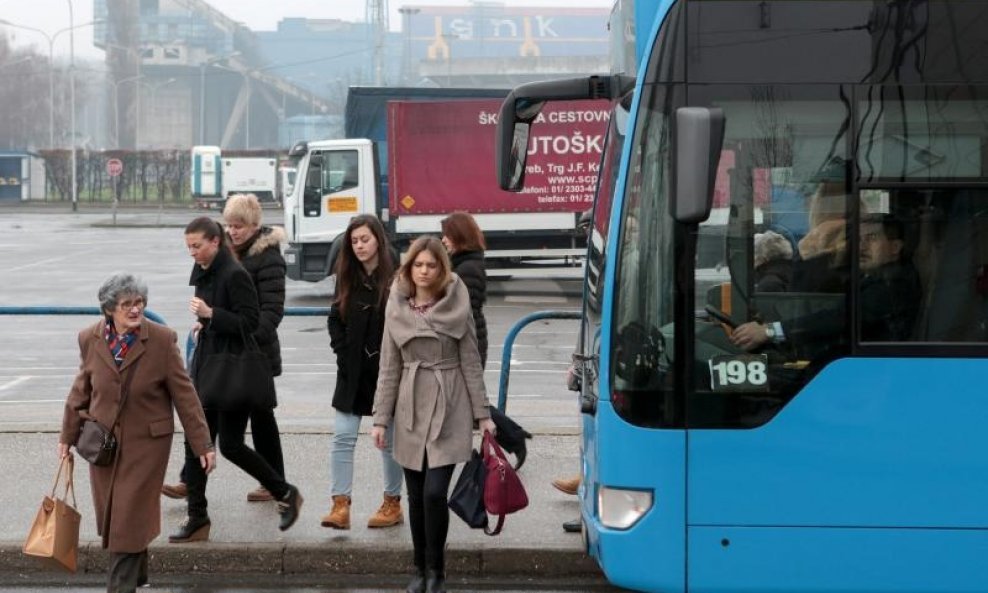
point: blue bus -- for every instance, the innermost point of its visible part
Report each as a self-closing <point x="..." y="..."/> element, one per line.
<point x="785" y="325"/>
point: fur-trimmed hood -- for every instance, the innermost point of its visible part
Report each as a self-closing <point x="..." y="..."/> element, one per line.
<point x="267" y="236"/>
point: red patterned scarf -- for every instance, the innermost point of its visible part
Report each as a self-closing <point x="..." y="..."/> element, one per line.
<point x="119" y="343"/>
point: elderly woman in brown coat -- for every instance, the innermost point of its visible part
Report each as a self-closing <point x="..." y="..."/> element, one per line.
<point x="431" y="386"/>
<point x="125" y="493"/>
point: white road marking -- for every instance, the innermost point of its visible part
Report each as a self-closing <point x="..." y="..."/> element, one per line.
<point x="15" y="382"/>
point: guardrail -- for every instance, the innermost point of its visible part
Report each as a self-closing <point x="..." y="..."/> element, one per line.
<point x="48" y="310"/>
<point x="509" y="340"/>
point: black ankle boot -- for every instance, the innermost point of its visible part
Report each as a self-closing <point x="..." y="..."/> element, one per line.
<point x="193" y="529"/>
<point x="289" y="507"/>
<point x="417" y="584"/>
<point x="435" y="582"/>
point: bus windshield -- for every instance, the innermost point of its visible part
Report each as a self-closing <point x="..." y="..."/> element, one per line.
<point x="848" y="218"/>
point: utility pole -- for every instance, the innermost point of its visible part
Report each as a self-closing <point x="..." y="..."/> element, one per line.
<point x="377" y="18"/>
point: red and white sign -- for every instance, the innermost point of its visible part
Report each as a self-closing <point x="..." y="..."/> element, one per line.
<point x="114" y="167"/>
<point x="441" y="157"/>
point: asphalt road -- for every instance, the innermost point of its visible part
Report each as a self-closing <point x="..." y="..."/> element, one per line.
<point x="52" y="258"/>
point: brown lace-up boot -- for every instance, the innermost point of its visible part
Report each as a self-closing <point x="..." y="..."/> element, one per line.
<point x="339" y="516"/>
<point x="389" y="514"/>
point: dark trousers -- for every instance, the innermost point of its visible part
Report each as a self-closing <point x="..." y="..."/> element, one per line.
<point x="428" y="514"/>
<point x="231" y="427"/>
<point x="127" y="572"/>
<point x="267" y="442"/>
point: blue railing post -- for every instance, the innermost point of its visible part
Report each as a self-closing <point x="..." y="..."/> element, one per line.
<point x="509" y="342"/>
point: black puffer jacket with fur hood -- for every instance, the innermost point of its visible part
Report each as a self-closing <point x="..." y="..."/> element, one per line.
<point x="261" y="257"/>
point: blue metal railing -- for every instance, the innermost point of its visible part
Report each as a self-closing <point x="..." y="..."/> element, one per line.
<point x="49" y="310"/>
<point x="509" y="342"/>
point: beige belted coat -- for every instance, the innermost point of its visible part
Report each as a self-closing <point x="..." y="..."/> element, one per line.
<point x="431" y="383"/>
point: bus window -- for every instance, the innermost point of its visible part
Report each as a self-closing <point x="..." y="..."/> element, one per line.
<point x="589" y="348"/>
<point x="641" y="358"/>
<point x="773" y="263"/>
<point x="936" y="292"/>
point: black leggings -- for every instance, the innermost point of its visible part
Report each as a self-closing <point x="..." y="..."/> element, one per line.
<point x="231" y="427"/>
<point x="428" y="513"/>
<point x="267" y="442"/>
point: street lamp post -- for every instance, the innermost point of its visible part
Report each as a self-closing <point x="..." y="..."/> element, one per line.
<point x="75" y="189"/>
<point x="116" y="107"/>
<point x="407" y="12"/>
<point x="153" y="106"/>
<point x="51" y="67"/>
<point x="202" y="90"/>
<point x="246" y="75"/>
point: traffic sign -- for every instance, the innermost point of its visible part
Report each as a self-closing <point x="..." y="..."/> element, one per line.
<point x="114" y="167"/>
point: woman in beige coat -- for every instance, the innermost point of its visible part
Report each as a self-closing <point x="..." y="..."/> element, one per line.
<point x="431" y="386"/>
<point x="125" y="493"/>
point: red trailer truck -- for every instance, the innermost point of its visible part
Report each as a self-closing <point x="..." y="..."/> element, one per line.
<point x="438" y="156"/>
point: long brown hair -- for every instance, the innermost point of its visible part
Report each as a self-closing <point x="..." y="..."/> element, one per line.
<point x="349" y="268"/>
<point x="435" y="247"/>
<point x="463" y="230"/>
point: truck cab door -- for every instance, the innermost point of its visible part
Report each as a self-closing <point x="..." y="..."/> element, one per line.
<point x="333" y="190"/>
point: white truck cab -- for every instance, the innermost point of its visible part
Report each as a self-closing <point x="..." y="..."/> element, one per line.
<point x="335" y="181"/>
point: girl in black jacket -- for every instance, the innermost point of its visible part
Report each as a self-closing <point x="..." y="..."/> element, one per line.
<point x="465" y="243"/>
<point x="356" y="325"/>
<point x="226" y="307"/>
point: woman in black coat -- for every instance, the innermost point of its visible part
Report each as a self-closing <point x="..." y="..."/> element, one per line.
<point x="465" y="243"/>
<point x="226" y="307"/>
<point x="356" y="325"/>
<point x="258" y="249"/>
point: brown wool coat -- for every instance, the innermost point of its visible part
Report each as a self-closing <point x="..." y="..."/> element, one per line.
<point x="431" y="383"/>
<point x="144" y="431"/>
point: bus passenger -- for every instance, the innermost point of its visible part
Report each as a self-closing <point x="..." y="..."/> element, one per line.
<point x="431" y="389"/>
<point x="889" y="295"/>
<point x="822" y="264"/>
<point x="772" y="262"/>
<point x="364" y="271"/>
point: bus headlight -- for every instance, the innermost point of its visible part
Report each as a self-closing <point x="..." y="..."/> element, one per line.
<point x="621" y="508"/>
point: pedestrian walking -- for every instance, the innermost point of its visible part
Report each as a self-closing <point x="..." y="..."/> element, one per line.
<point x="258" y="249"/>
<point x="431" y="391"/>
<point x="364" y="271"/>
<point x="126" y="352"/>
<point x="465" y="242"/>
<point x="226" y="308"/>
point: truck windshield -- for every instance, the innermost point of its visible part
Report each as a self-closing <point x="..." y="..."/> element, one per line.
<point x="329" y="172"/>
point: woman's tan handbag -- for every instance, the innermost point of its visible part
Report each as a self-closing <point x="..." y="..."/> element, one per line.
<point x="54" y="536"/>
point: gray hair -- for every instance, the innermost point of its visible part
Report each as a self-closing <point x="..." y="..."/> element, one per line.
<point x="119" y="285"/>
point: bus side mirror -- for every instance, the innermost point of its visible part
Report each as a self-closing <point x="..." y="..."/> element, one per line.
<point x="698" y="137"/>
<point x="512" y="142"/>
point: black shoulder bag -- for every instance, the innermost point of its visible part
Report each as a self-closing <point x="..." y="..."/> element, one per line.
<point x="97" y="444"/>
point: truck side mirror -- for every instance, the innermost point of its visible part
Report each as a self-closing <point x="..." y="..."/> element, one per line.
<point x="698" y="137"/>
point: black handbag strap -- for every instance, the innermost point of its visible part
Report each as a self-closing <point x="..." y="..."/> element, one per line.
<point x="125" y="391"/>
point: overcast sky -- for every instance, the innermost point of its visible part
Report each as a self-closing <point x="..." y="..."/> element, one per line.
<point x="262" y="15"/>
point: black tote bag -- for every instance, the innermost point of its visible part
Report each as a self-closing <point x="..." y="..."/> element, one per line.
<point x="467" y="499"/>
<point x="241" y="381"/>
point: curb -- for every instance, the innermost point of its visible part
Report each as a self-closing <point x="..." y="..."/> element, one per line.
<point x="315" y="559"/>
